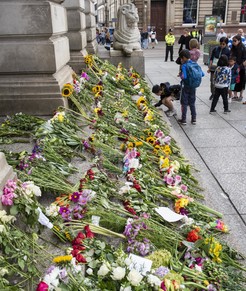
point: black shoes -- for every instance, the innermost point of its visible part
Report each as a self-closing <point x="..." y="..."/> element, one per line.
<point x="193" y="121"/>
<point x="180" y="121"/>
<point x="227" y="111"/>
<point x="211" y="97"/>
<point x="211" y="111"/>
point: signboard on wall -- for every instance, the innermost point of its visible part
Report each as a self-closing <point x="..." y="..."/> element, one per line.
<point x="210" y="24"/>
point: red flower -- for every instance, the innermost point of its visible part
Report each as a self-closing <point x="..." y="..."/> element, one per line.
<point x="193" y="236"/>
<point x="137" y="154"/>
<point x="42" y="286"/>
<point x="163" y="287"/>
<point x="75" y="252"/>
<point x="137" y="187"/>
<point x="80" y="258"/>
<point x="88" y="232"/>
<point x="81" y="235"/>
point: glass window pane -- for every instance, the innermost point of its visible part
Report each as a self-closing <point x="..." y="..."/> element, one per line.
<point x="243" y="11"/>
<point x="219" y="8"/>
<point x="190" y="11"/>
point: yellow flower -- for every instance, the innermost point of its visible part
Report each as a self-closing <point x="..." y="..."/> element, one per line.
<point x="130" y="145"/>
<point x="97" y="88"/>
<point x="141" y="101"/>
<point x="62" y="259"/>
<point x="167" y="150"/>
<point x="138" y="143"/>
<point x="206" y="282"/>
<point x="98" y="94"/>
<point x="60" y="117"/>
<point x="97" y="109"/>
<point x="151" y="140"/>
<point x="67" y="90"/>
<point x="122" y="147"/>
<point x="124" y="113"/>
<point x="142" y="90"/>
<point x="163" y="163"/>
<point x="150" y="133"/>
<point x="157" y="146"/>
<point x="88" y="59"/>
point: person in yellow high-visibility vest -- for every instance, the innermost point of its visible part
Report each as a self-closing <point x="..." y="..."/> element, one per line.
<point x="170" y="40"/>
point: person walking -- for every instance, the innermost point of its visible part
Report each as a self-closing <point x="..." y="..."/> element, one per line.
<point x="243" y="39"/>
<point x="218" y="51"/>
<point x="222" y="81"/>
<point x="153" y="38"/>
<point x="195" y="53"/>
<point x="234" y="76"/>
<point x="191" y="75"/>
<point x="238" y="50"/>
<point x="170" y="40"/>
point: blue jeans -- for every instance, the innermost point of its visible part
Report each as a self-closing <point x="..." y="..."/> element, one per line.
<point x="188" y="98"/>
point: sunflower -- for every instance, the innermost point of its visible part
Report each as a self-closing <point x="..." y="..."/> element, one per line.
<point x="67" y="90"/>
<point x="141" y="100"/>
<point x="97" y="88"/>
<point x="88" y="59"/>
<point x="62" y="259"/>
<point x="167" y="150"/>
<point x="151" y="140"/>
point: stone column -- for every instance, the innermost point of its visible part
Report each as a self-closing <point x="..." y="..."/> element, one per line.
<point x="34" y="52"/>
<point x="92" y="46"/>
<point x="76" y="32"/>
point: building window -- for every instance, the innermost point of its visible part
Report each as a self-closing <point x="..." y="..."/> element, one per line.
<point x="243" y="11"/>
<point x="219" y="9"/>
<point x="190" y="11"/>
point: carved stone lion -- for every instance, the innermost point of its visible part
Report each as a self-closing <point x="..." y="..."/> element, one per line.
<point x="126" y="34"/>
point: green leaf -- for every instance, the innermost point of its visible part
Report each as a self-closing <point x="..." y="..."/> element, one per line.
<point x="14" y="210"/>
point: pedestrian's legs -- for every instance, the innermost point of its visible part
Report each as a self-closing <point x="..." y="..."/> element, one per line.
<point x="167" y="101"/>
<point x="184" y="102"/>
<point x="192" y="101"/>
<point x="167" y="52"/>
<point x="211" y="85"/>
<point x="217" y="93"/>
<point x="171" y="52"/>
<point x="224" y="93"/>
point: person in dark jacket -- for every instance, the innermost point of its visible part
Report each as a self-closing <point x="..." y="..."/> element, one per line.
<point x="238" y="50"/>
<point x="217" y="52"/>
<point x="184" y="40"/>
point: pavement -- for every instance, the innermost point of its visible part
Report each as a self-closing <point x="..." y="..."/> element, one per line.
<point x="216" y="145"/>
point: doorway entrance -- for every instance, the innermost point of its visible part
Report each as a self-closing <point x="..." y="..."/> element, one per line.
<point x="158" y="18"/>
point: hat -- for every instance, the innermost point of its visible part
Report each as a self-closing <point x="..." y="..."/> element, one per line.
<point x="170" y="30"/>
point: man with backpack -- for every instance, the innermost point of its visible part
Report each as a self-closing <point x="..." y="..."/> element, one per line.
<point x="191" y="75"/>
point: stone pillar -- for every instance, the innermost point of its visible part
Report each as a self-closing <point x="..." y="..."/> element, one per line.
<point x="76" y="32"/>
<point x="92" y="46"/>
<point x="34" y="52"/>
<point x="6" y="173"/>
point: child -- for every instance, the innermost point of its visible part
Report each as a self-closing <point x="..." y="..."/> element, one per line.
<point x="164" y="92"/>
<point x="188" y="93"/>
<point x="195" y="53"/>
<point x="234" y="76"/>
<point x="222" y="80"/>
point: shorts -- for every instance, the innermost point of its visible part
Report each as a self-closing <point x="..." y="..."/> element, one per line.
<point x="232" y="87"/>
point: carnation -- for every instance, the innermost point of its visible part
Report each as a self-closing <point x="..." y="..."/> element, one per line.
<point x="103" y="271"/>
<point x="118" y="273"/>
<point x="134" y="277"/>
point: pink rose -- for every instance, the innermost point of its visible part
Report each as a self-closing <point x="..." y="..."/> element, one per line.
<point x="42" y="286"/>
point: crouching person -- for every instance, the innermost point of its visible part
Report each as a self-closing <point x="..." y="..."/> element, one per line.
<point x="165" y="98"/>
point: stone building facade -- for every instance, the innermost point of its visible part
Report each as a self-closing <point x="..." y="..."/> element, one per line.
<point x="178" y="14"/>
<point x="41" y="43"/>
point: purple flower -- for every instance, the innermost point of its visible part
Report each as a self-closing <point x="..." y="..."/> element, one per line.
<point x="177" y="179"/>
<point x="82" y="200"/>
<point x="77" y="212"/>
<point x="65" y="213"/>
<point x="162" y="271"/>
<point x="169" y="180"/>
<point x="86" y="144"/>
<point x="75" y="196"/>
<point x="128" y="229"/>
<point x="7" y="199"/>
<point x="183" y="211"/>
<point x="85" y="76"/>
<point x="183" y="187"/>
<point x="124" y="131"/>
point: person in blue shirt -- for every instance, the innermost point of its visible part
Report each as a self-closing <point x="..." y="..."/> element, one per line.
<point x="188" y="94"/>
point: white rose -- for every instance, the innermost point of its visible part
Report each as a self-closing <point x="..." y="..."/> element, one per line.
<point x="128" y="261"/>
<point x="154" y="280"/>
<point x="30" y="188"/>
<point x="103" y="271"/>
<point x="134" y="277"/>
<point x="118" y="273"/>
<point x="52" y="210"/>
<point x="89" y="271"/>
<point x="2" y="228"/>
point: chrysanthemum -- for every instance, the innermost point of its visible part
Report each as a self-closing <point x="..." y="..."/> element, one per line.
<point x="62" y="259"/>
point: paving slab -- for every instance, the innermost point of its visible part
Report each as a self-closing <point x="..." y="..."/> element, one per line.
<point x="233" y="185"/>
<point x="225" y="160"/>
